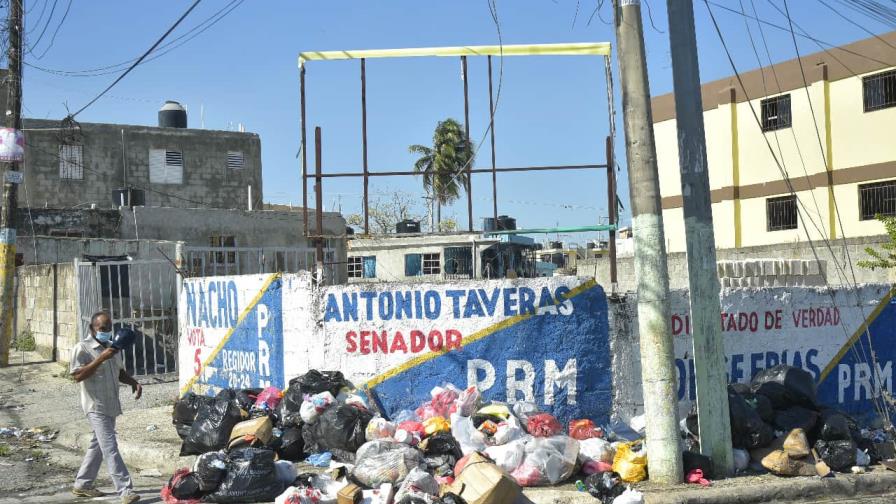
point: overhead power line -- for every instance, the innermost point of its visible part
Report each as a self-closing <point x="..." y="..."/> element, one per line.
<point x="55" y="32"/>
<point x="126" y="72"/>
<point x="168" y="47"/>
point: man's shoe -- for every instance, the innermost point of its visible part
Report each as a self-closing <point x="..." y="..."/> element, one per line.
<point x="87" y="492"/>
<point x="130" y="498"/>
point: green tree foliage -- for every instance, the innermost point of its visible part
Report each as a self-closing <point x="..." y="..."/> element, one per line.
<point x="443" y="166"/>
<point x="886" y="256"/>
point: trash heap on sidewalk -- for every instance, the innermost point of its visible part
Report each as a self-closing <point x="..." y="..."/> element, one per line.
<point x="457" y="448"/>
<point x="454" y="448"/>
<point x="778" y="426"/>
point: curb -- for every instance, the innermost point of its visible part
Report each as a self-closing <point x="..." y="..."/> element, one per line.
<point x="139" y="456"/>
<point x="787" y="489"/>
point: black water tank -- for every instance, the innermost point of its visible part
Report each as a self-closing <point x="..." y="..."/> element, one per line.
<point x="489" y="224"/>
<point x="172" y="115"/>
<point x="128" y="197"/>
<point x="349" y="231"/>
<point x="407" y="226"/>
<point x="556" y="244"/>
<point x="506" y="223"/>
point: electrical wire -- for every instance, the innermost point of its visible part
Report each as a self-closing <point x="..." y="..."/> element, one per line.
<point x="126" y="72"/>
<point x="56" y="32"/>
<point x="111" y="69"/>
<point x="809" y="37"/>
<point x="46" y="25"/>
<point x="854" y="23"/>
<point x="791" y="190"/>
<point x="825" y="156"/>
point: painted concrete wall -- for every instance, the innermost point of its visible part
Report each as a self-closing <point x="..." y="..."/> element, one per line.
<point x="36" y="302"/>
<point x="544" y="340"/>
<point x="576" y="358"/>
<point x="206" y="178"/>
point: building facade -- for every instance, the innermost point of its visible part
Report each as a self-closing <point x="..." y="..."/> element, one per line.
<point x="90" y="165"/>
<point x="792" y="159"/>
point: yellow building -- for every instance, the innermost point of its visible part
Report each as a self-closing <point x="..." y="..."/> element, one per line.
<point x="841" y="160"/>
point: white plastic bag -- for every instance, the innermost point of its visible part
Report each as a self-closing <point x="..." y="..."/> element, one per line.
<point x="418" y="483"/>
<point x="323" y="490"/>
<point x="638" y="423"/>
<point x="468" y="401"/>
<point x="629" y="496"/>
<point x="380" y="428"/>
<point x="508" y="430"/>
<point x="381" y="461"/>
<point x="548" y="460"/>
<point x="469" y="439"/>
<point x="509" y="456"/>
<point x="596" y="449"/>
<point x="862" y="458"/>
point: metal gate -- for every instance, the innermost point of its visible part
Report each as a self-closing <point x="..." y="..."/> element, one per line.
<point x="141" y="295"/>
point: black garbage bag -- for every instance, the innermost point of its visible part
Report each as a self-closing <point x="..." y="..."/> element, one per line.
<point x="211" y="429"/>
<point x="692" y="423"/>
<point x="246" y="397"/>
<point x="834" y="425"/>
<point x="838" y="455"/>
<point x="480" y="418"/>
<point x="312" y="382"/>
<point x="604" y="486"/>
<point x="210" y="469"/>
<point x="693" y="460"/>
<point x="739" y="388"/>
<point x="292" y="445"/>
<point x="441" y="453"/>
<point x="786" y="386"/>
<point x="251" y="477"/>
<point x="450" y="498"/>
<point x="795" y="417"/>
<point x="338" y="428"/>
<point x="748" y="431"/>
<point x="186" y="487"/>
<point x="762" y="405"/>
<point x="185" y="410"/>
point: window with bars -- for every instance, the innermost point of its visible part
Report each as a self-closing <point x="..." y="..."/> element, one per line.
<point x="235" y="160"/>
<point x="781" y="213"/>
<point x="776" y="113"/>
<point x="71" y="165"/>
<point x="879" y="91"/>
<point x="220" y="257"/>
<point x="166" y="166"/>
<point x="362" y="267"/>
<point x="432" y="264"/>
<point x="878" y="198"/>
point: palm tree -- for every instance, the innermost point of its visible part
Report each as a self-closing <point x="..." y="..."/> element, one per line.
<point x="443" y="166"/>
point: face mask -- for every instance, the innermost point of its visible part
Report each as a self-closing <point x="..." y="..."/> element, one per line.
<point x="104" y="336"/>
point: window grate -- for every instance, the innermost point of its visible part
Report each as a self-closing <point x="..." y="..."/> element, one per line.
<point x="355" y="267"/>
<point x="71" y="165"/>
<point x="878" y="198"/>
<point x="235" y="160"/>
<point x="223" y="258"/>
<point x="781" y="213"/>
<point x="432" y="264"/>
<point x="174" y="159"/>
<point x="879" y="91"/>
<point x="776" y="113"/>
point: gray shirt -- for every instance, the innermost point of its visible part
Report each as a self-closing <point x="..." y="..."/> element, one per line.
<point x="99" y="393"/>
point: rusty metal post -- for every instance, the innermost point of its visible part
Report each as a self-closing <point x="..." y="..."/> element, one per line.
<point x="364" y="143"/>
<point x="612" y="209"/>
<point x="304" y="154"/>
<point x="463" y="60"/>
<point x="491" y="114"/>
<point x="319" y="198"/>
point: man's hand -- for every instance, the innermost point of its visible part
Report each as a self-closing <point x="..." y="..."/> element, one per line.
<point x="137" y="389"/>
<point x="108" y="354"/>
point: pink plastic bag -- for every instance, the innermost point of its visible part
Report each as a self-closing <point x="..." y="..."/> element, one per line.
<point x="596" y="466"/>
<point x="442" y="403"/>
<point x="584" y="429"/>
<point x="269" y="399"/>
<point x="696" y="477"/>
<point x="527" y="475"/>
<point x="543" y="425"/>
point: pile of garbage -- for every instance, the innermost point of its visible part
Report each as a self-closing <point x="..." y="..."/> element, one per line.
<point x="454" y="448"/>
<point x="778" y="426"/>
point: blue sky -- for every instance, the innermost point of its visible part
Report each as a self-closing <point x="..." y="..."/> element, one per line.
<point x="243" y="71"/>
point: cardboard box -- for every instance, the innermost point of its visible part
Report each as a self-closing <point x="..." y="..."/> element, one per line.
<point x="482" y="482"/>
<point x="261" y="428"/>
<point x="350" y="494"/>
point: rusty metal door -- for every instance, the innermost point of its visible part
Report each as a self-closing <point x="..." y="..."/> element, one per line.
<point x="141" y="295"/>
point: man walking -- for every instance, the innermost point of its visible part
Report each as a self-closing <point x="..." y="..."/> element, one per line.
<point x="98" y="368"/>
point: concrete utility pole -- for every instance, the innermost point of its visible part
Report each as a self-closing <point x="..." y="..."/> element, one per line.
<point x="657" y="357"/>
<point x="8" y="211"/>
<point x="709" y="348"/>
